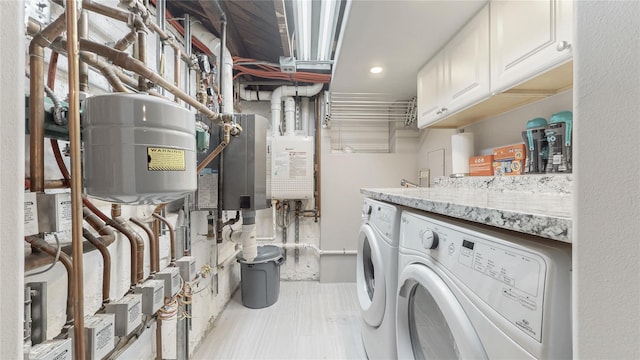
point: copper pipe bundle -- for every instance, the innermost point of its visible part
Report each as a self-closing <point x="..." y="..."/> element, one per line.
<point x="42" y="38"/>
<point x="106" y="238"/>
<point x="123" y="60"/>
<point x="41" y="245"/>
<point x="153" y="245"/>
<point x="172" y="239"/>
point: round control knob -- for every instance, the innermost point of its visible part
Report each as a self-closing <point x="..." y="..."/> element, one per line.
<point x="429" y="239"/>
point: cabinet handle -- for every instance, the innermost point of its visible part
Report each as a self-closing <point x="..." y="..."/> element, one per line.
<point x="563" y="45"/>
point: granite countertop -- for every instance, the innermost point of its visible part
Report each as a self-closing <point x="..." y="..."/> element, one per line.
<point x="542" y="214"/>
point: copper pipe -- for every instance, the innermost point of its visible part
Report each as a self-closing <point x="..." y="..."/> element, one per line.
<point x="153" y="248"/>
<point x="176" y="72"/>
<point x="106" y="259"/>
<point x="126" y="41"/>
<point x="83" y="32"/>
<point x="158" y="338"/>
<point x="177" y="50"/>
<point x="139" y="246"/>
<point x="106" y="233"/>
<point x="172" y="238"/>
<point x="142" y="57"/>
<point x="49" y="184"/>
<point x="218" y="149"/>
<point x="105" y="69"/>
<point x="116" y="211"/>
<point x="41" y="245"/>
<point x="123" y="60"/>
<point x="76" y="176"/>
<point x="41" y="39"/>
<point x="36" y="117"/>
<point x="107" y="11"/>
<point x="95" y="210"/>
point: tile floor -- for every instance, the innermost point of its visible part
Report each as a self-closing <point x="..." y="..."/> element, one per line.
<point x="310" y="320"/>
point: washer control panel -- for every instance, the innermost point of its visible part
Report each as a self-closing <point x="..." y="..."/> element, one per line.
<point x="383" y="217"/>
<point x="506" y="276"/>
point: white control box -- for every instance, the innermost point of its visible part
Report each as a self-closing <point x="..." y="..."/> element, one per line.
<point x="30" y="214"/>
<point x="172" y="281"/>
<point x="128" y="313"/>
<point x="152" y="292"/>
<point x="52" y="350"/>
<point x="187" y="266"/>
<point x="54" y="212"/>
<point x="99" y="332"/>
<point x="292" y="167"/>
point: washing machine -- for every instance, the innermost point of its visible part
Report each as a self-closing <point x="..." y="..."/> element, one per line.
<point x="470" y="292"/>
<point x="377" y="276"/>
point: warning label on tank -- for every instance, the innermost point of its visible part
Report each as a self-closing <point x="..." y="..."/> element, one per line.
<point x="165" y="159"/>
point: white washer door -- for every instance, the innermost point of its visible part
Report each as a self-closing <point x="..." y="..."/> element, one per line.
<point x="431" y="323"/>
<point x="370" y="277"/>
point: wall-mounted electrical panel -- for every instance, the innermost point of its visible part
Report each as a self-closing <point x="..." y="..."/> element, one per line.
<point x="128" y="313"/>
<point x="99" y="333"/>
<point x="207" y="194"/>
<point x="152" y="292"/>
<point x="54" y="212"/>
<point x="30" y="214"/>
<point x="292" y="167"/>
<point x="138" y="149"/>
<point x="52" y="350"/>
<point x="172" y="280"/>
<point x="187" y="266"/>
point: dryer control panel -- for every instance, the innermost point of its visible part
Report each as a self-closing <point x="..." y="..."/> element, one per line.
<point x="385" y="218"/>
<point x="506" y="276"/>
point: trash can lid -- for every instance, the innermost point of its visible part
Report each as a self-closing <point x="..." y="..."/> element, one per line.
<point x="266" y="253"/>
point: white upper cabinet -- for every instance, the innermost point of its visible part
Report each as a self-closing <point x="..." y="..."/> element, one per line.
<point x="458" y="76"/>
<point x="466" y="64"/>
<point x="430" y="85"/>
<point x="528" y="38"/>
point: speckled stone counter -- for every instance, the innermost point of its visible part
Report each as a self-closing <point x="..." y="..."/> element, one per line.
<point x="545" y="214"/>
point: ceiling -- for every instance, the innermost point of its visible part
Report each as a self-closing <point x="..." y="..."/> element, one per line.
<point x="398" y="35"/>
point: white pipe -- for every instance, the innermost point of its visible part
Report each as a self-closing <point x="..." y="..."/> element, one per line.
<point x="276" y="99"/>
<point x="304" y="246"/>
<point x="290" y="116"/>
<point x="225" y="70"/>
<point x="249" y="245"/>
<point x="304" y="115"/>
<point x="273" y="224"/>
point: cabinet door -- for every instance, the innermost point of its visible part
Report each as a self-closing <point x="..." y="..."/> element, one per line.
<point x="528" y="38"/>
<point x="466" y="65"/>
<point x="429" y="90"/>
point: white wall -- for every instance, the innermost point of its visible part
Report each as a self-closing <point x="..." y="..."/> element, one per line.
<point x="606" y="277"/>
<point x="11" y="179"/>
<point x="343" y="175"/>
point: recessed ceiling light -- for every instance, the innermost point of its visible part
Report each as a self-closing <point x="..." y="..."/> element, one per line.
<point x="375" y="70"/>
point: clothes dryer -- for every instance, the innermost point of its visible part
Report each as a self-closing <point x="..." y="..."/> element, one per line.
<point x="470" y="292"/>
<point x="377" y="276"/>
